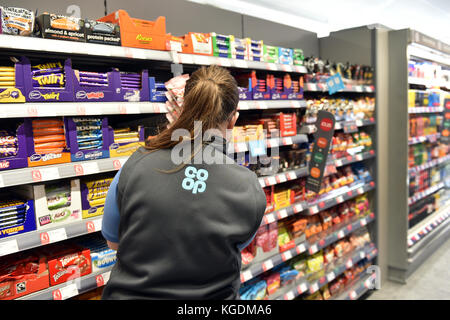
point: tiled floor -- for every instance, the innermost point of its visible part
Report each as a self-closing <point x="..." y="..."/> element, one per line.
<point x="431" y="281"/>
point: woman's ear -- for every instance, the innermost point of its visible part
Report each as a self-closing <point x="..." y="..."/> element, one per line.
<point x="233" y="120"/>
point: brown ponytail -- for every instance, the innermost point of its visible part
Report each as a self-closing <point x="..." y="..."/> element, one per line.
<point x="211" y="96"/>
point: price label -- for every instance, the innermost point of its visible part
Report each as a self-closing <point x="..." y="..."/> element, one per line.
<point x="359" y="123"/>
<point x="273" y="143"/>
<point x="90" y="167"/>
<point x="287" y="141"/>
<point x="261" y="105"/>
<point x="269" y="218"/>
<point x="281" y="178"/>
<point x="8" y="247"/>
<point x="313" y="249"/>
<point x="298" y="208"/>
<point x="57" y="295"/>
<point x="362" y="255"/>
<point x="363" y="222"/>
<point x="359" y="157"/>
<point x="341" y="234"/>
<point x="2" y="183"/>
<point x="360" y="190"/>
<point x="246" y="275"/>
<point x="68" y="291"/>
<point x="50" y="174"/>
<point x="292" y="175"/>
<point x="271" y="181"/>
<point x="286" y="68"/>
<point x="186" y="58"/>
<point x="243" y="105"/>
<point x="238" y="63"/>
<point x="224" y="62"/>
<point x="339" y="199"/>
<point x="271" y="66"/>
<point x="314" y="209"/>
<point x="282" y="214"/>
<point x="267" y="265"/>
<point x="302" y="288"/>
<point x="53" y="236"/>
<point x="262" y="183"/>
<point x="286" y="255"/>
<point x="349" y="264"/>
<point x="94" y="225"/>
<point x="352" y="295"/>
<point x="132" y="108"/>
<point x="358" y="88"/>
<point x="301" y="248"/>
<point x="289" y="296"/>
<point x="295" y="104"/>
<point x="81" y="110"/>
<point x="200" y="59"/>
<point x="330" y="276"/>
<point x="314" y="287"/>
<point x="338" y="163"/>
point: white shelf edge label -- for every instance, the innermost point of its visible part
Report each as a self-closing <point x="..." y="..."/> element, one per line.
<point x="330" y="276"/>
<point x="301" y="248"/>
<point x="287" y="255"/>
<point x="303" y="287"/>
<point x="8" y="247"/>
<point x="291" y="175"/>
<point x="272" y="180"/>
<point x="69" y="291"/>
<point x="314" y="287"/>
<point x="53" y="236"/>
<point x="247" y="275"/>
<point x="270" y="218"/>
<point x="290" y="295"/>
<point x="268" y="264"/>
<point x="90" y="167"/>
<point x="282" y="213"/>
<point x="49" y="173"/>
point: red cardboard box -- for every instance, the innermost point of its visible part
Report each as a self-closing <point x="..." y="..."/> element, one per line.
<point x="67" y="263"/>
<point x="22" y="274"/>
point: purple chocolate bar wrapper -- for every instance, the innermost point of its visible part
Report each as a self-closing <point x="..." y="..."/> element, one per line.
<point x="90" y="84"/>
<point x="93" y="74"/>
<point x="97" y="80"/>
<point x="47" y="71"/>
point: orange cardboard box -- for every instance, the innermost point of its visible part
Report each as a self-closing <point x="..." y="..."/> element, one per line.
<point x="138" y="33"/>
<point x="198" y="43"/>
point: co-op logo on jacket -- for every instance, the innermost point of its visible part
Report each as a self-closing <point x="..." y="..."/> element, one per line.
<point x="195" y="179"/>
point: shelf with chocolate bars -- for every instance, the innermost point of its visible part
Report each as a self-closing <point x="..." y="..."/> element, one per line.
<point x="58" y="171"/>
<point x="322" y="87"/>
<point x="184" y="58"/>
<point x="72" y="288"/>
<point x="37" y="238"/>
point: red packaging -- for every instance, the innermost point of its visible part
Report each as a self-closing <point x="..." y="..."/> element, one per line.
<point x="273" y="236"/>
<point x="21" y="275"/>
<point x="273" y="283"/>
<point x="67" y="263"/>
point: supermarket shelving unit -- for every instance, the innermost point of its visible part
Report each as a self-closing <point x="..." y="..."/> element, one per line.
<point x="13" y="45"/>
<point x="410" y="247"/>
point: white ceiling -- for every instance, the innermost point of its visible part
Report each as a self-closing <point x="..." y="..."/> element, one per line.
<point x="431" y="17"/>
